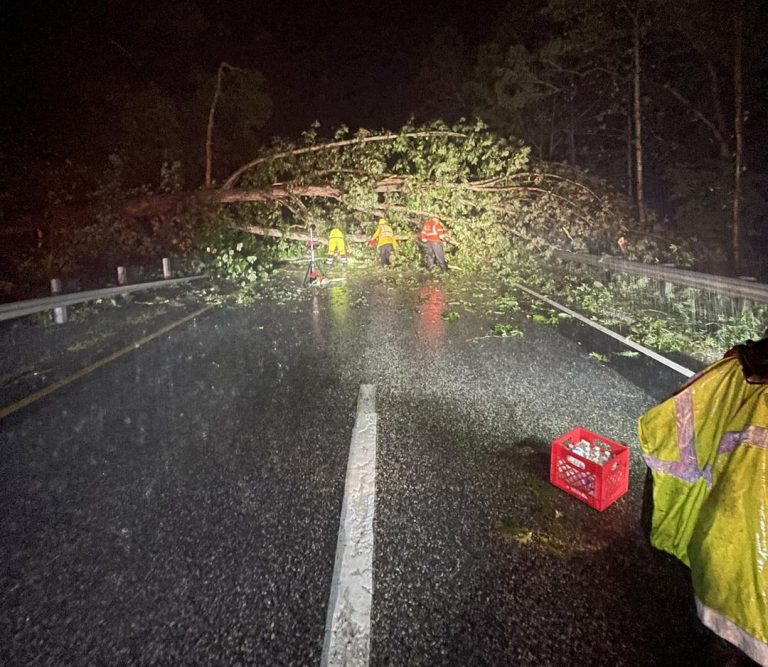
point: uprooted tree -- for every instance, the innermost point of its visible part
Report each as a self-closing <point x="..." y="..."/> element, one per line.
<point x="497" y="204"/>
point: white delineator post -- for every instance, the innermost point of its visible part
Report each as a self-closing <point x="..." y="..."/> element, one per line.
<point x="122" y="276"/>
<point x="60" y="312"/>
<point x="166" y="268"/>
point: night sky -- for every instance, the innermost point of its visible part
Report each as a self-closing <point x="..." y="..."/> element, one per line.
<point x="336" y="62"/>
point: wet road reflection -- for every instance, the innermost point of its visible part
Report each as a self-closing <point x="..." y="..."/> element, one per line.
<point x="317" y="329"/>
<point x="430" y="325"/>
<point x="339" y="299"/>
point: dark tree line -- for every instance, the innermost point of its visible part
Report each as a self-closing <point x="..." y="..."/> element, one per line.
<point x="664" y="98"/>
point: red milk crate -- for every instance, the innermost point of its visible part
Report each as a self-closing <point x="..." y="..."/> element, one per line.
<point x="596" y="485"/>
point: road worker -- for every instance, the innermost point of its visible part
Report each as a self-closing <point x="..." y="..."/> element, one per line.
<point x="336" y="246"/>
<point x="432" y="238"/>
<point x="384" y="241"/>
<point x="707" y="451"/>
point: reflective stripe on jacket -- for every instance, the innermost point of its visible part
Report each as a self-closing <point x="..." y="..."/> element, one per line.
<point x="707" y="447"/>
<point x="432" y="231"/>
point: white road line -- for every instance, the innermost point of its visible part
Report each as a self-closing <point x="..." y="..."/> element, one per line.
<point x="687" y="372"/>
<point x="348" y="623"/>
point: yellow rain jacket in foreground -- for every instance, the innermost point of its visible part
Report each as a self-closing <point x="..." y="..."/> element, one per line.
<point x="707" y="448"/>
<point x="384" y="235"/>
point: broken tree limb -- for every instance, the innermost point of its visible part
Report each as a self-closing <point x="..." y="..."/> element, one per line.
<point x="546" y="175"/>
<point x="175" y="202"/>
<point x="699" y="115"/>
<point x="279" y="233"/>
<point x="277" y="194"/>
<point x="412" y="214"/>
<point x="580" y="212"/>
<point x="235" y="176"/>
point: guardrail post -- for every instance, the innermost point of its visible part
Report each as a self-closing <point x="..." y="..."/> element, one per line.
<point x="122" y="277"/>
<point x="166" y="268"/>
<point x="721" y="305"/>
<point x="9" y="311"/>
<point x="746" y="304"/>
<point x="60" y="312"/>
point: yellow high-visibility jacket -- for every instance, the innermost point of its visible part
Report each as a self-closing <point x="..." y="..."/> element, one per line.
<point x="707" y="448"/>
<point x="384" y="235"/>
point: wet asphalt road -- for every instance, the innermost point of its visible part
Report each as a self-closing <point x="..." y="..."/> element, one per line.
<point x="181" y="505"/>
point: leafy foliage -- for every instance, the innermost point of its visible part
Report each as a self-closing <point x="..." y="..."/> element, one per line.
<point x="506" y="331"/>
<point x="243" y="262"/>
<point x="496" y="204"/>
<point x="684" y="320"/>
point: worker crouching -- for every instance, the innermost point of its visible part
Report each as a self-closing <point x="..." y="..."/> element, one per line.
<point x="384" y="241"/>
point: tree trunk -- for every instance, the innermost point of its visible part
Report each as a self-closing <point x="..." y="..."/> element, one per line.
<point x="738" y="125"/>
<point x="571" y="131"/>
<point x="209" y="132"/>
<point x="211" y="113"/>
<point x="714" y="86"/>
<point x="642" y="214"/>
<point x="719" y="127"/>
<point x="551" y="142"/>
<point x="630" y="173"/>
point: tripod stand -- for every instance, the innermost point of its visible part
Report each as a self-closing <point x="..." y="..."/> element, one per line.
<point x="314" y="273"/>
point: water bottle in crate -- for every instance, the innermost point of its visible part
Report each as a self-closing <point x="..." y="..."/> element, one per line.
<point x="590" y="467"/>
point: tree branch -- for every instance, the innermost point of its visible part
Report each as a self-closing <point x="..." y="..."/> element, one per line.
<point x="173" y="202"/>
<point x="576" y="73"/>
<point x="235" y="176"/>
<point x="533" y="175"/>
<point x="582" y="214"/>
<point x="209" y="132"/>
<point x="696" y="112"/>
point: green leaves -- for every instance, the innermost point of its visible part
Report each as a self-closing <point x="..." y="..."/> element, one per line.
<point x="506" y="331"/>
<point x="238" y="257"/>
<point x="545" y="319"/>
<point x="498" y="207"/>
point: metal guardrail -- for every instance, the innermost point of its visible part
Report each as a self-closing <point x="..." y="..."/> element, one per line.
<point x="731" y="287"/>
<point x="9" y="311"/>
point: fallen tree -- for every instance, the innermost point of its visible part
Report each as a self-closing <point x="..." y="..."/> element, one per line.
<point x="497" y="204"/>
<point x="484" y="187"/>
